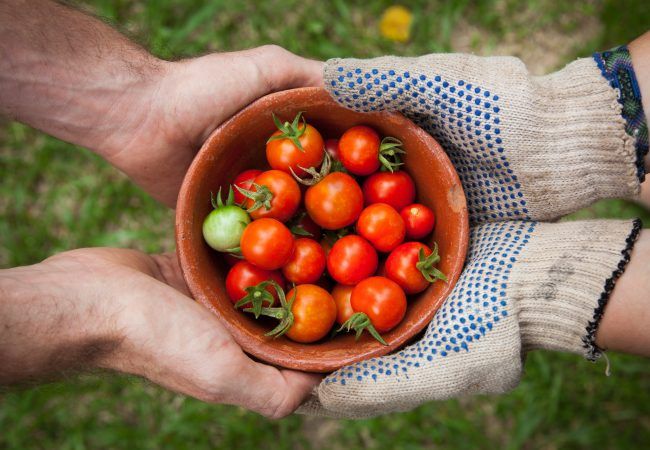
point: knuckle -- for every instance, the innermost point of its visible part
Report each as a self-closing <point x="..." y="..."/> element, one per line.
<point x="276" y="406"/>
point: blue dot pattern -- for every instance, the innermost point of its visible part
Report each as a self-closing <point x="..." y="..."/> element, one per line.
<point x="476" y="306"/>
<point x="466" y="119"/>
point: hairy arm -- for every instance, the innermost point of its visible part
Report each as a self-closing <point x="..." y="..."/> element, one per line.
<point x="46" y="329"/>
<point x="76" y="78"/>
<point x="72" y="76"/>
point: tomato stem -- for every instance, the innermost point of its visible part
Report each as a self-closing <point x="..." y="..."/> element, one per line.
<point x="217" y="201"/>
<point x="358" y="322"/>
<point x="426" y="264"/>
<point x="261" y="196"/>
<point x="283" y="313"/>
<point x="291" y="131"/>
<point x="316" y="176"/>
<point x="390" y="150"/>
<point x="256" y="296"/>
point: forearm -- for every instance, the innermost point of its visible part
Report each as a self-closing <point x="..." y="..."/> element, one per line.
<point x="71" y="75"/>
<point x="640" y="53"/>
<point x="625" y="325"/>
<point x="47" y="330"/>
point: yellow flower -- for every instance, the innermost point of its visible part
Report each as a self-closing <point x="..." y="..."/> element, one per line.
<point x="395" y="23"/>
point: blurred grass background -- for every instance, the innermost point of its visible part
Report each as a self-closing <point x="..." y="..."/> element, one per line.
<point x="54" y="197"/>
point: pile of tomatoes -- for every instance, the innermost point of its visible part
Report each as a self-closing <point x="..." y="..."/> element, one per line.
<point x="278" y="235"/>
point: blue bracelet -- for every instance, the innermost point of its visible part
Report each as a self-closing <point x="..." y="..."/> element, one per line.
<point x="616" y="66"/>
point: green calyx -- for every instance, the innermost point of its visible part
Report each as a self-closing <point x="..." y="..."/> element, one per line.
<point x="261" y="196"/>
<point x="390" y="150"/>
<point x="256" y="296"/>
<point x="291" y="131"/>
<point x="316" y="175"/>
<point x="296" y="227"/>
<point x="299" y="230"/>
<point x="426" y="265"/>
<point x="283" y="312"/>
<point x="217" y="202"/>
<point x="358" y="322"/>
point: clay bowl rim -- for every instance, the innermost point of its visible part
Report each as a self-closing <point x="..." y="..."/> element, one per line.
<point x="264" y="352"/>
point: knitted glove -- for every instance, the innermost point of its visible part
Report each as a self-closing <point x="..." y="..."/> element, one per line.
<point x="526" y="286"/>
<point x="524" y="147"/>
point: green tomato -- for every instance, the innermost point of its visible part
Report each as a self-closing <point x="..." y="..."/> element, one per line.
<point x="223" y="227"/>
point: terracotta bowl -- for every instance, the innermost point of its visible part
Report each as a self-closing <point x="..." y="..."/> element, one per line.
<point x="239" y="144"/>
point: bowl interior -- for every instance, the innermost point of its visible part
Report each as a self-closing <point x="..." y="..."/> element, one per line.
<point x="239" y="144"/>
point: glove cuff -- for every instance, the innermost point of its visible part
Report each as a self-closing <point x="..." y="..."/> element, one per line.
<point x="572" y="145"/>
<point x="564" y="279"/>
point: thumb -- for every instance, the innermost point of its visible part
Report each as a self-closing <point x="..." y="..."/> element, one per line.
<point x="279" y="69"/>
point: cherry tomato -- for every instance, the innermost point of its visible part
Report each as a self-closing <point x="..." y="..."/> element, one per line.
<point x="283" y="154"/>
<point x="402" y="266"/>
<point x="359" y="150"/>
<point x="396" y="189"/>
<point x="243" y="275"/>
<point x="351" y="259"/>
<point x="276" y="189"/>
<point x="419" y="220"/>
<point x="382" y="300"/>
<point x="307" y="263"/>
<point x="314" y="313"/>
<point x="341" y="295"/>
<point x="334" y="202"/>
<point x="380" y="224"/>
<point x="224" y="225"/>
<point x="244" y="180"/>
<point x="267" y="243"/>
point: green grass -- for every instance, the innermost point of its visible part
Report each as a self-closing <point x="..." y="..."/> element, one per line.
<point x="54" y="196"/>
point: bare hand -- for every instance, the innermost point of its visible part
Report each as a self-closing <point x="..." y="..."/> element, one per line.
<point x="189" y="100"/>
<point x="127" y="311"/>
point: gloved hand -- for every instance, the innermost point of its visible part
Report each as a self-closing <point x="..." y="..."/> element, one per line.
<point x="526" y="148"/>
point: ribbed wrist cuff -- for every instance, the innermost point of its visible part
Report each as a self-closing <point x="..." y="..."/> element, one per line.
<point x="564" y="278"/>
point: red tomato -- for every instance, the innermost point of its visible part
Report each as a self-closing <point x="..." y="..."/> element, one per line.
<point x="314" y="313"/>
<point x="334" y="202"/>
<point x="244" y="180"/>
<point x="351" y="259"/>
<point x="359" y="150"/>
<point x="267" y="243"/>
<point x="401" y="267"/>
<point x="283" y="154"/>
<point x="396" y="189"/>
<point x="382" y="300"/>
<point x="307" y="263"/>
<point x="341" y="295"/>
<point x="243" y="275"/>
<point x="419" y="220"/>
<point x="277" y="190"/>
<point x="382" y="226"/>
